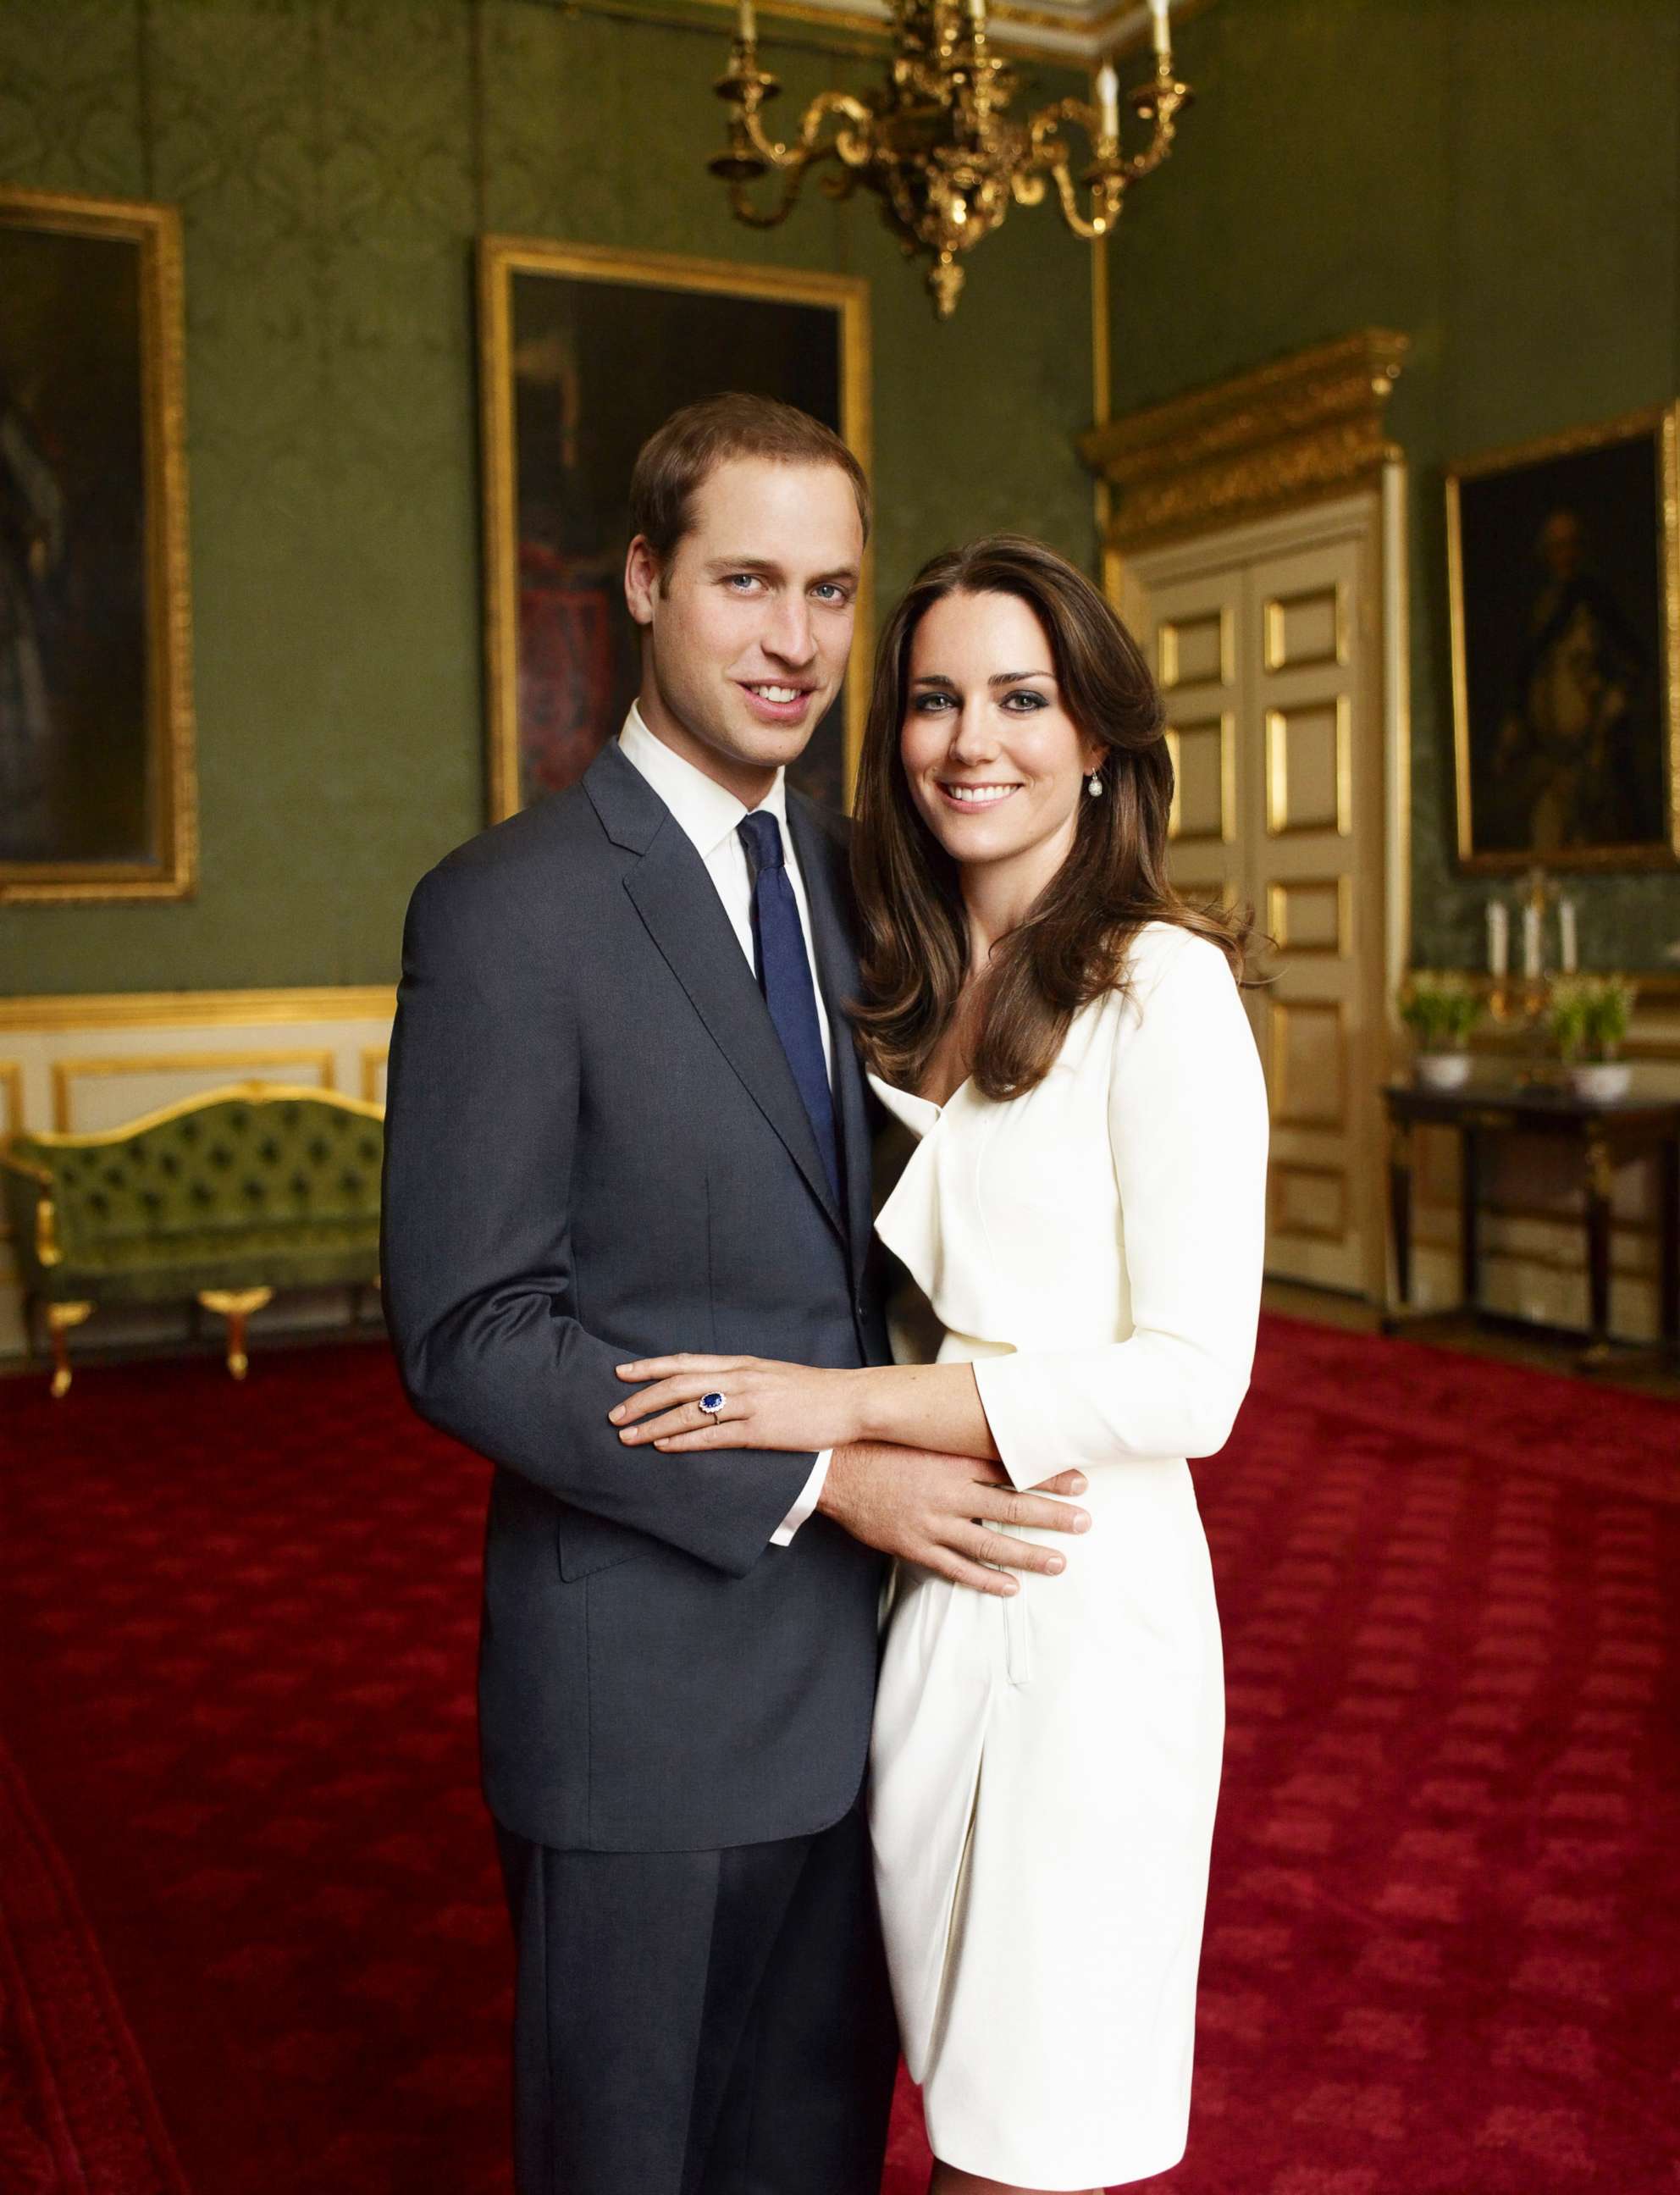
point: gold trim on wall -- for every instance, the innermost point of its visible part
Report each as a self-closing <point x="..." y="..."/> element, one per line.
<point x="1304" y="427"/>
<point x="1278" y="822"/>
<point x="373" y="1059"/>
<point x="1090" y="30"/>
<point x="501" y="258"/>
<point x="170" y="1009"/>
<point x="1663" y="423"/>
<point x="67" y="1073"/>
<point x="172" y="873"/>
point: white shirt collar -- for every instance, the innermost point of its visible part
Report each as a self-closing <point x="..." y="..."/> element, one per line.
<point x="708" y="813"/>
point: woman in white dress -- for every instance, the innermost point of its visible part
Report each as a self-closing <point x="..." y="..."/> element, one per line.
<point x="1085" y="1213"/>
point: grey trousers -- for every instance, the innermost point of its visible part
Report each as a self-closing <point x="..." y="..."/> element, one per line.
<point x="712" y="2023"/>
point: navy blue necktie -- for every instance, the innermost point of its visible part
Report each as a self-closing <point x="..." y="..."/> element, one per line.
<point x="785" y="978"/>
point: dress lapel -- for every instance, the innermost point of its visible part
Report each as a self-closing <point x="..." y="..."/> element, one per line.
<point x="823" y="868"/>
<point x="684" y="917"/>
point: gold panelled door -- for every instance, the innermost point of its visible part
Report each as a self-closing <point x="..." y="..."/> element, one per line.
<point x="1313" y="835"/>
<point x="1266" y="640"/>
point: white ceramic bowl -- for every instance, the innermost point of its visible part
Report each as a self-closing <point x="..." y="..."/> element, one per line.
<point x="1600" y="1081"/>
<point x="1442" y="1070"/>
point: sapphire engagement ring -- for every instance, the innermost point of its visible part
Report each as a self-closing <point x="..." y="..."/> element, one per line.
<point x="712" y="1404"/>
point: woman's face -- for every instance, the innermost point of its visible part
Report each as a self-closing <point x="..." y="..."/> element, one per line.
<point x="996" y="765"/>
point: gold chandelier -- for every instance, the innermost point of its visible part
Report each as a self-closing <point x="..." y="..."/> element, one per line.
<point x="935" y="142"/>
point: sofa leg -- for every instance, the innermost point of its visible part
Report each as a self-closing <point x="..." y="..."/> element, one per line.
<point x="236" y="1306"/>
<point x="61" y="1317"/>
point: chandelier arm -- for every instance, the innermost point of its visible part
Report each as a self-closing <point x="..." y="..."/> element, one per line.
<point x="804" y="148"/>
<point x="1160" y="144"/>
<point x="770" y="217"/>
<point x="1098" y="224"/>
<point x="1044" y="128"/>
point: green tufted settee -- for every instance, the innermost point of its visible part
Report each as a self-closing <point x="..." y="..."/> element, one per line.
<point x="219" y="1199"/>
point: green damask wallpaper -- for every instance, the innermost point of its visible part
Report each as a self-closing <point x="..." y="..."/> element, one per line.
<point x="333" y="160"/>
<point x="1500" y="178"/>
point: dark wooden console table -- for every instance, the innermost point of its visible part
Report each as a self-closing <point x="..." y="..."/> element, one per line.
<point x="1606" y="1135"/>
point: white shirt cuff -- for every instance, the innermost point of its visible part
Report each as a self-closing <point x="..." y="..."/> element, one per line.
<point x="810" y="1493"/>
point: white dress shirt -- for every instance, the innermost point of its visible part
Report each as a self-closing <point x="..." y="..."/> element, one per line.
<point x="711" y="816"/>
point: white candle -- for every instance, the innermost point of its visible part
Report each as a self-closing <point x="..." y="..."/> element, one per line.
<point x="1498" y="939"/>
<point x="1565" y="934"/>
<point x="1163" y="39"/>
<point x="1108" y="100"/>
<point x="977" y="14"/>
<point x="1531" y="941"/>
<point x="748" y="25"/>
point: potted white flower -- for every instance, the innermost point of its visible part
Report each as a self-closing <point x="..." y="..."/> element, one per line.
<point x="1588" y="1017"/>
<point x="1440" y="1008"/>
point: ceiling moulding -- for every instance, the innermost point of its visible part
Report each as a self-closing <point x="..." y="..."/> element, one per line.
<point x="1074" y="31"/>
<point x="1305" y="426"/>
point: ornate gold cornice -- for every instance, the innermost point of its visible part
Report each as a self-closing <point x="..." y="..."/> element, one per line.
<point x="1303" y="427"/>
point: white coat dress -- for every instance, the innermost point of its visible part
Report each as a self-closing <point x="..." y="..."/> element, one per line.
<point x="1046" y="1767"/>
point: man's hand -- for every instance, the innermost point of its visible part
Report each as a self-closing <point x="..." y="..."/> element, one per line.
<point x="935" y="1509"/>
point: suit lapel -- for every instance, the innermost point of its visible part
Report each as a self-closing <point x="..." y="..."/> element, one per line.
<point x="679" y="905"/>
<point x="822" y="866"/>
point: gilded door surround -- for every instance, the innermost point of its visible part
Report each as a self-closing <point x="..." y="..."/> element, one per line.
<point x="1303" y="427"/>
<point x="173" y="875"/>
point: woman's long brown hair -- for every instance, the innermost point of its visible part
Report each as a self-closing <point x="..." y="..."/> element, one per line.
<point x="1072" y="944"/>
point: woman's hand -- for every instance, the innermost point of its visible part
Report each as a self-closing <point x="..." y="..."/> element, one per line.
<point x="766" y="1404"/>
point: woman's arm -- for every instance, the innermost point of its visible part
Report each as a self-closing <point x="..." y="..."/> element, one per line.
<point x="1187" y="1125"/>
<point x="768" y="1404"/>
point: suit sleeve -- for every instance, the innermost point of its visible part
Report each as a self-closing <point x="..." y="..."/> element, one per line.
<point x="1188" y="1126"/>
<point x="480" y="1292"/>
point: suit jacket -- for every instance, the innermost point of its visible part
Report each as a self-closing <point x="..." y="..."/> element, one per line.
<point x="596" y="1149"/>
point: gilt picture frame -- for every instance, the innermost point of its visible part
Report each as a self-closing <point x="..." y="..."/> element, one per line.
<point x="1563" y="567"/>
<point x="98" y="796"/>
<point x="583" y="351"/>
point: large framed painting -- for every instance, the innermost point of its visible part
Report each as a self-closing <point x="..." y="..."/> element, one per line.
<point x="583" y="352"/>
<point x="1564" y="570"/>
<point x="96" y="784"/>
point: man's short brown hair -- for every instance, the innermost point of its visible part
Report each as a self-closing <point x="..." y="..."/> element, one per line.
<point x="678" y="457"/>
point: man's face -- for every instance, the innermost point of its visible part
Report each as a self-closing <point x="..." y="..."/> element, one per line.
<point x="748" y="628"/>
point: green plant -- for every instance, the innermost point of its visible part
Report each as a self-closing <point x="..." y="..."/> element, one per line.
<point x="1588" y="1015"/>
<point x="1439" y="1007"/>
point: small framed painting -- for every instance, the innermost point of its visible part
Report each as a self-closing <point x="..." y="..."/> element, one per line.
<point x="96" y="774"/>
<point x="1564" y="572"/>
<point x="582" y="353"/>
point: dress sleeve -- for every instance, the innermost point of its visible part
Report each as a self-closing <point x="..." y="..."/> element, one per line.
<point x="1187" y="1125"/>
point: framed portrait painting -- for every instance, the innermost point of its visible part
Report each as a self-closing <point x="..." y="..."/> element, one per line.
<point x="96" y="777"/>
<point x="1564" y="571"/>
<point x="582" y="353"/>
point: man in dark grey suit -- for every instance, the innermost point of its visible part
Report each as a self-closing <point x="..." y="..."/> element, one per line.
<point x="625" y="1117"/>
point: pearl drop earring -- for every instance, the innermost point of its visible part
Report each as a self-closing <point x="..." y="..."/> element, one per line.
<point x="1094" y="784"/>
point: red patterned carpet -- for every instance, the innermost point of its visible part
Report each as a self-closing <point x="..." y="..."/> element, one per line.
<point x="250" y="1938"/>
